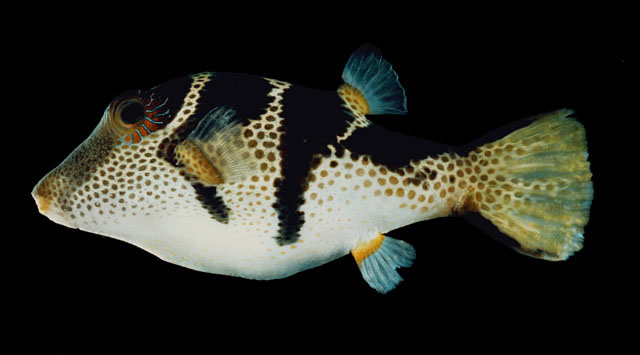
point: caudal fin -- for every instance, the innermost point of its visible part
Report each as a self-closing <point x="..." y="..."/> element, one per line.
<point x="535" y="186"/>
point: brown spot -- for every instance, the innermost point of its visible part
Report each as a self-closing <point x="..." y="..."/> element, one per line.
<point x="315" y="162"/>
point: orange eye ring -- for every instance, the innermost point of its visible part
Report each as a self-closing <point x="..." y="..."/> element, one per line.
<point x="137" y="116"/>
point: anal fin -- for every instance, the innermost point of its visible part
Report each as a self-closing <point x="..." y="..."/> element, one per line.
<point x="379" y="258"/>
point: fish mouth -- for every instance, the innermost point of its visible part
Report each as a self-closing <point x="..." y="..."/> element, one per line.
<point x="48" y="209"/>
<point x="43" y="202"/>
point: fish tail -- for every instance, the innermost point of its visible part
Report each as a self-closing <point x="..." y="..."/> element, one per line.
<point x="534" y="186"/>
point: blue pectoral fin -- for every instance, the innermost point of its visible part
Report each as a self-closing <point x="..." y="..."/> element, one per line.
<point x="374" y="77"/>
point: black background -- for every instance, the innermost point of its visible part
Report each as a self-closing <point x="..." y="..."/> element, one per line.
<point x="463" y="77"/>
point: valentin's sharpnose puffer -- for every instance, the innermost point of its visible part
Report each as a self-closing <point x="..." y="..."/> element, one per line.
<point x="247" y="176"/>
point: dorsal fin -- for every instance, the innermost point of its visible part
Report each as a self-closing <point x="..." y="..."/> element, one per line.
<point x="375" y="81"/>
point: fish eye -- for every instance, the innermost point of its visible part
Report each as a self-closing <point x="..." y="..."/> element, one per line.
<point x="137" y="114"/>
<point x="131" y="112"/>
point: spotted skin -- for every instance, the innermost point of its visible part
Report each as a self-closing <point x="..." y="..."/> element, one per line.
<point x="324" y="179"/>
<point x="239" y="227"/>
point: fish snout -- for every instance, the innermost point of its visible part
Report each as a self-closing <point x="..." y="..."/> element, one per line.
<point x="50" y="200"/>
<point x="43" y="195"/>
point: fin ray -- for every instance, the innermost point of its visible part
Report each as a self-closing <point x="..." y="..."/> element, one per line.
<point x="536" y="186"/>
<point x="379" y="258"/>
<point x="218" y="140"/>
<point x="376" y="80"/>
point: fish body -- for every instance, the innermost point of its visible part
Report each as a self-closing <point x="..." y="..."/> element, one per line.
<point x="247" y="176"/>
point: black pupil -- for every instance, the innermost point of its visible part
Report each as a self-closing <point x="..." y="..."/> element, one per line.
<point x="132" y="113"/>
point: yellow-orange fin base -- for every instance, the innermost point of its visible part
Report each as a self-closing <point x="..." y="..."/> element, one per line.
<point x="379" y="258"/>
<point x="214" y="152"/>
<point x="353" y="98"/>
<point x="196" y="163"/>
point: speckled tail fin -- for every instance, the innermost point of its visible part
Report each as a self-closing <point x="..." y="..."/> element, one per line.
<point x="535" y="186"/>
<point x="371" y="84"/>
<point x="379" y="258"/>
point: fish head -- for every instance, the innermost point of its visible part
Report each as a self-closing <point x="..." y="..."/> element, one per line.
<point x="123" y="180"/>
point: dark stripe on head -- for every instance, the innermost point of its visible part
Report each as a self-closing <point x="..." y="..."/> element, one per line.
<point x="212" y="202"/>
<point x="312" y="120"/>
<point x="173" y="91"/>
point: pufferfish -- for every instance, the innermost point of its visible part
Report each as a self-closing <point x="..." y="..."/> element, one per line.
<point x="258" y="178"/>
